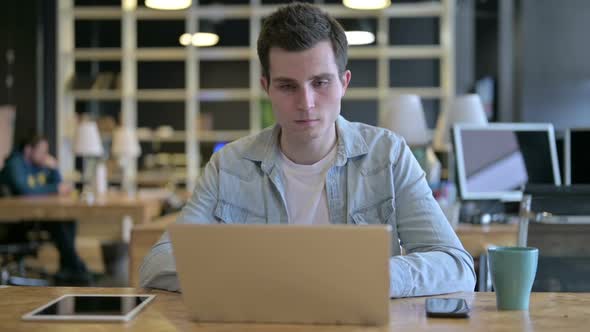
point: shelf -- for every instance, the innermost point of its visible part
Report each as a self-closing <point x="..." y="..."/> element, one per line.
<point x="81" y="54"/>
<point x="225" y="95"/>
<point x="206" y="95"/>
<point x="153" y="178"/>
<point x="211" y="136"/>
<point x="97" y="13"/>
<point x="161" y="95"/>
<point x="179" y="53"/>
<point x="98" y="95"/>
<point x="244" y="53"/>
<point x="179" y="136"/>
<point x="427" y="93"/>
<point x="428" y="9"/>
<point x="210" y="11"/>
<point x="220" y="95"/>
<point x="395" y="52"/>
<point x="373" y="93"/>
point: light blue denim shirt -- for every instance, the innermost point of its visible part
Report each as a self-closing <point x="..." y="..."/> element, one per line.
<point x="375" y="180"/>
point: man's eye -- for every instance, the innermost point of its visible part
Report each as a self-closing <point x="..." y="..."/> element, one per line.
<point x="320" y="83"/>
<point x="286" y="87"/>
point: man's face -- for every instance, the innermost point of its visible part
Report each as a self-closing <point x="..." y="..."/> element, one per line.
<point x="305" y="90"/>
<point x="38" y="153"/>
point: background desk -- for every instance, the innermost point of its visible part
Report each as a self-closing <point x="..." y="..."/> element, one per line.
<point x="548" y="312"/>
<point x="113" y="206"/>
<point x="477" y="238"/>
<point x="104" y="220"/>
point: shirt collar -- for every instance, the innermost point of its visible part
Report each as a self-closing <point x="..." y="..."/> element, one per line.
<point x="264" y="147"/>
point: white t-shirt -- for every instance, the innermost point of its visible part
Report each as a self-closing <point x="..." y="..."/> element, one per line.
<point x="305" y="190"/>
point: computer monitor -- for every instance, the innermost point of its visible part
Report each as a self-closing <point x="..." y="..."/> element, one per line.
<point x="577" y="158"/>
<point x="495" y="161"/>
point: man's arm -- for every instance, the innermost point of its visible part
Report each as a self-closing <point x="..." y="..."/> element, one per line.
<point x="436" y="262"/>
<point x="158" y="269"/>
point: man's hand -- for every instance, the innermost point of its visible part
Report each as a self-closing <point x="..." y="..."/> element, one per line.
<point x="64" y="189"/>
<point x="50" y="162"/>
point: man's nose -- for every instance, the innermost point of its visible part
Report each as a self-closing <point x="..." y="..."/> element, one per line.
<point x="306" y="99"/>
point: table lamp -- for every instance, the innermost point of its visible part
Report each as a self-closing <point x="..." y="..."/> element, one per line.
<point x="126" y="148"/>
<point x="464" y="109"/>
<point x="88" y="145"/>
<point x="406" y="118"/>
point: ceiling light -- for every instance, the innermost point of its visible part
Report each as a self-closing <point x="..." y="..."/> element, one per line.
<point x="186" y="39"/>
<point x="168" y="4"/>
<point x="200" y="39"/>
<point x="204" y="39"/>
<point x="367" y="4"/>
<point x="359" y="37"/>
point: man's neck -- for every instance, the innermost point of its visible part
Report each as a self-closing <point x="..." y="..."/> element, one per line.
<point x="310" y="152"/>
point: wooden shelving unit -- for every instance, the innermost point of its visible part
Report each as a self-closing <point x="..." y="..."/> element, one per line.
<point x="192" y="94"/>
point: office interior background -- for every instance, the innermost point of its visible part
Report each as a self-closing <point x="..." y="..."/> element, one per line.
<point x="532" y="51"/>
<point x="66" y="61"/>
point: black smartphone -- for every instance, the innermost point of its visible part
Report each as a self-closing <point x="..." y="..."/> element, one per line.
<point x="447" y="307"/>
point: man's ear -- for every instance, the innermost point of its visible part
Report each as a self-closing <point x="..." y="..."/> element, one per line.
<point x="264" y="83"/>
<point x="345" y="80"/>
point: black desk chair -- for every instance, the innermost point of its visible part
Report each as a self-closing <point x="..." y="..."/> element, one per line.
<point x="15" y="247"/>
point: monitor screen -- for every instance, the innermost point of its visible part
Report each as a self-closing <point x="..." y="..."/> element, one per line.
<point x="577" y="158"/>
<point x="495" y="161"/>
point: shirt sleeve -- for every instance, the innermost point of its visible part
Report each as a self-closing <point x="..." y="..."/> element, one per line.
<point x="435" y="260"/>
<point x="158" y="269"/>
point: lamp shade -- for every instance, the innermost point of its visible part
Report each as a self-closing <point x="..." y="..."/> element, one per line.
<point x="463" y="109"/>
<point x="125" y="143"/>
<point x="406" y="118"/>
<point x="87" y="141"/>
<point x="468" y="109"/>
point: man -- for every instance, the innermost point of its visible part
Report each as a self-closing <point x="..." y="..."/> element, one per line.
<point x="315" y="167"/>
<point x="31" y="170"/>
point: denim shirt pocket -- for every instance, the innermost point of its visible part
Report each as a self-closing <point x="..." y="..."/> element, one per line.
<point x="229" y="213"/>
<point x="378" y="213"/>
<point x="236" y="204"/>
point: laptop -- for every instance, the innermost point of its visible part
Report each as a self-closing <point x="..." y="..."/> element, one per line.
<point x="309" y="274"/>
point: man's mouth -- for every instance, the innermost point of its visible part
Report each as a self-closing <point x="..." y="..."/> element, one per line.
<point x="307" y="120"/>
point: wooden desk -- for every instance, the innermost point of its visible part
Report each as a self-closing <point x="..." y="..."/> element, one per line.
<point x="111" y="208"/>
<point x="53" y="207"/>
<point x="105" y="220"/>
<point x="548" y="312"/>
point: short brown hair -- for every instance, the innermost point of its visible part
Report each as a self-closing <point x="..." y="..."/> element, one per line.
<point x="297" y="27"/>
<point x="32" y="140"/>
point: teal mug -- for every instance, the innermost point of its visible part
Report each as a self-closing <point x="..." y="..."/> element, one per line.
<point x="513" y="271"/>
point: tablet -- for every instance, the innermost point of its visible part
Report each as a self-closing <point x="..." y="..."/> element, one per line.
<point x="91" y="307"/>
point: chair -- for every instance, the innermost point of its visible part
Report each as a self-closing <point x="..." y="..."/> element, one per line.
<point x="557" y="222"/>
<point x="14" y="251"/>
